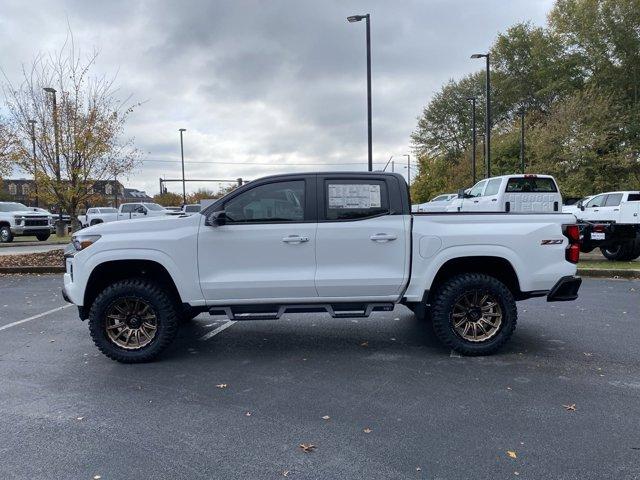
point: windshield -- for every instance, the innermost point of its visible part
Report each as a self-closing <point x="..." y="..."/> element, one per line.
<point x="13" y="207"/>
<point x="154" y="206"/>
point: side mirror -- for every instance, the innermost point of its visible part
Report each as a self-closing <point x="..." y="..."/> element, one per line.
<point x="461" y="193"/>
<point x="582" y="207"/>
<point x="217" y="219"/>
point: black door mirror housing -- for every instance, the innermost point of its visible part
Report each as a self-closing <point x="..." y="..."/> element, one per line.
<point x="217" y="219"/>
<point x="461" y="193"/>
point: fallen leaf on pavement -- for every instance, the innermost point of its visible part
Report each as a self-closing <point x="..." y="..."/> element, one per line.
<point x="285" y="473"/>
<point x="248" y="414"/>
<point x="79" y="418"/>
<point x="97" y="477"/>
<point x="307" y="447"/>
<point x="326" y="417"/>
<point x="364" y="344"/>
<point x="512" y="454"/>
<point x="367" y="430"/>
<point x="222" y="385"/>
<point x="570" y="408"/>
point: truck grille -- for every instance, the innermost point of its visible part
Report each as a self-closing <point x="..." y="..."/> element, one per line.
<point x="36" y="222"/>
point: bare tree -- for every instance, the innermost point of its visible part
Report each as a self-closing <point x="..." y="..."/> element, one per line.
<point x="90" y="121"/>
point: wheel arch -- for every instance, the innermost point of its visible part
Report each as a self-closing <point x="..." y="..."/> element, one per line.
<point x="112" y="271"/>
<point x="494" y="266"/>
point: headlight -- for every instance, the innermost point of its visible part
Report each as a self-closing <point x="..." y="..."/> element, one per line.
<point x="80" y="242"/>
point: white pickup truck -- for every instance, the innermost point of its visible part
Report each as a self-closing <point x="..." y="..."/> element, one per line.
<point x="17" y="220"/>
<point x="342" y="243"/>
<point x="610" y="221"/>
<point x="526" y="193"/>
<point x="126" y="211"/>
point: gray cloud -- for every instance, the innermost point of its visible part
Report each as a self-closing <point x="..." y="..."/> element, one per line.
<point x="279" y="83"/>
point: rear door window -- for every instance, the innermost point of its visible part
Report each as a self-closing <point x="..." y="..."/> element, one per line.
<point x="613" y="200"/>
<point x="493" y="187"/>
<point x="355" y="199"/>
<point x="634" y="197"/>
<point x="531" y="184"/>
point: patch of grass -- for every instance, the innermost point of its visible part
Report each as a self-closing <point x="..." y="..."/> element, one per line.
<point x="607" y="265"/>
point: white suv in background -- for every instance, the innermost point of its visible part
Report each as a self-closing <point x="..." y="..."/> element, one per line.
<point x="526" y="193"/>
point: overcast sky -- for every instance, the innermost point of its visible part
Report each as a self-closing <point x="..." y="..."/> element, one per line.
<point x="265" y="87"/>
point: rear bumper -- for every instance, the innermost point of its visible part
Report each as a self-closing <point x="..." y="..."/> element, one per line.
<point x="565" y="290"/>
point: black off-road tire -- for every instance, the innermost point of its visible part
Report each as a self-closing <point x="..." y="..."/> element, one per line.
<point x="43" y="237"/>
<point x="163" y="305"/>
<point x="5" y="234"/>
<point x="442" y="307"/>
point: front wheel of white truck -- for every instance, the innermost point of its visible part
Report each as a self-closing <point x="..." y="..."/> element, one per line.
<point x="133" y="321"/>
<point x="473" y="313"/>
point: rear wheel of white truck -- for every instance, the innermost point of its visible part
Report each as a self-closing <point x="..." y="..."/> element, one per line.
<point x="473" y="313"/>
<point x="133" y="321"/>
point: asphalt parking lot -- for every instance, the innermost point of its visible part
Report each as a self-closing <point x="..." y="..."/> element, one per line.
<point x="396" y="405"/>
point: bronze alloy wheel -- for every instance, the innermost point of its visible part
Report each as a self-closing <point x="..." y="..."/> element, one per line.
<point x="131" y="323"/>
<point x="476" y="316"/>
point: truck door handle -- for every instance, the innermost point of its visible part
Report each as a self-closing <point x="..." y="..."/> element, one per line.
<point x="476" y="201"/>
<point x="295" y="239"/>
<point x="595" y="210"/>
<point x="494" y="199"/>
<point x="383" y="237"/>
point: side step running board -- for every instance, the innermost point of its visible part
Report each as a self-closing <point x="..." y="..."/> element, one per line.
<point x="274" y="312"/>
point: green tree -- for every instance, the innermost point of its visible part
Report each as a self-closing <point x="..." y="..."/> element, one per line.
<point x="90" y="121"/>
<point x="582" y="143"/>
<point x="168" y="199"/>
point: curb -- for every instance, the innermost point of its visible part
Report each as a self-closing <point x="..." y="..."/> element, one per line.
<point x="32" y="244"/>
<point x="608" y="273"/>
<point x="33" y="269"/>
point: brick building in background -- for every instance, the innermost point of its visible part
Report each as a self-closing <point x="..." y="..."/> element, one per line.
<point x="105" y="193"/>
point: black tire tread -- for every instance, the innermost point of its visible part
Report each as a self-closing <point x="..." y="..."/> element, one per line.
<point x="167" y="307"/>
<point x="440" y="314"/>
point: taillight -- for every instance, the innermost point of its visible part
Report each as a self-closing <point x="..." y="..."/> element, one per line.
<point x="572" y="253"/>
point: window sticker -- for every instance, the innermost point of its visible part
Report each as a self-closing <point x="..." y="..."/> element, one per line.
<point x="354" y="196"/>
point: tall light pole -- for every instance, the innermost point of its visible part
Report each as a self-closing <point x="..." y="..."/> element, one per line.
<point x="473" y="137"/>
<point x="59" y="223"/>
<point x="487" y="113"/>
<point x="521" y="112"/>
<point x="184" y="190"/>
<point x="33" y="141"/>
<point x="358" y="18"/>
<point x="408" y="168"/>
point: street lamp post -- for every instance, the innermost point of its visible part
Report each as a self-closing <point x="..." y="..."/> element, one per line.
<point x="487" y="113"/>
<point x="59" y="223"/>
<point x="33" y="141"/>
<point x="521" y="112"/>
<point x="184" y="190"/>
<point x="367" y="18"/>
<point x="473" y="137"/>
<point x="408" y="168"/>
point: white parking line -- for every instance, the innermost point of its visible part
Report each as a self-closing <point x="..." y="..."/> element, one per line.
<point x="455" y="354"/>
<point x="213" y="333"/>
<point x="19" y="322"/>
